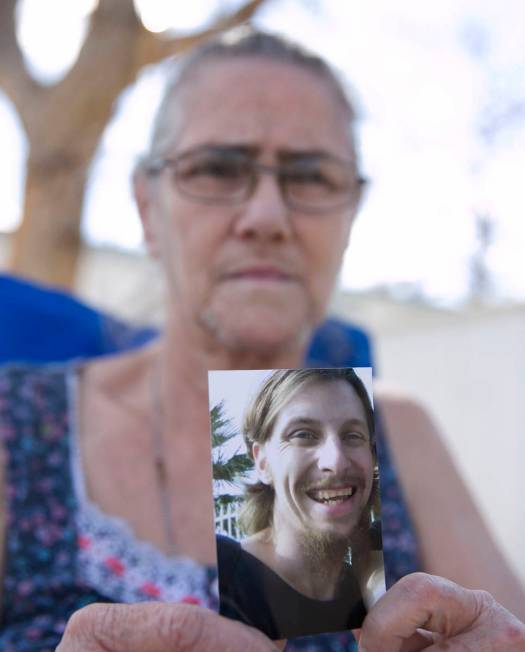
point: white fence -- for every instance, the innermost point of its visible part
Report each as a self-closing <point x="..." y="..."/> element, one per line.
<point x="226" y="519"/>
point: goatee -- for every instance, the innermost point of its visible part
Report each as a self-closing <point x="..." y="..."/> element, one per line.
<point x="324" y="549"/>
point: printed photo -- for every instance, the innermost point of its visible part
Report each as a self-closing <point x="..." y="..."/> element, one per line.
<point x="296" y="492"/>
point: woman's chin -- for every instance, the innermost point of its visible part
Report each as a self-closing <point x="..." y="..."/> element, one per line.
<point x="260" y="330"/>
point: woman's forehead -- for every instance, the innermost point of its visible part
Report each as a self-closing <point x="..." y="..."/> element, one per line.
<point x="261" y="103"/>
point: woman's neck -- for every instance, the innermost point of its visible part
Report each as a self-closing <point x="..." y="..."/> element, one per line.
<point x="190" y="351"/>
<point x="182" y="359"/>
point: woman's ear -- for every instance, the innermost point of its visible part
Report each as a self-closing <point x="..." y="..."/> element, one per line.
<point x="261" y="463"/>
<point x="142" y="193"/>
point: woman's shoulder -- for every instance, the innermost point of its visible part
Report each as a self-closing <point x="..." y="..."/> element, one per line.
<point x="419" y="451"/>
<point x="408" y="422"/>
<point x="106" y="368"/>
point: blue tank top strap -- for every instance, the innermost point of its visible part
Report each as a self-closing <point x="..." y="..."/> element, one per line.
<point x="40" y="586"/>
<point x="400" y="547"/>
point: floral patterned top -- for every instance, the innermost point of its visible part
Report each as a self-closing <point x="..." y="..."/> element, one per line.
<point x="63" y="552"/>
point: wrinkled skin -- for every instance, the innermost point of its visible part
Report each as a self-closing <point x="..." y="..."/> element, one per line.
<point x="454" y="619"/>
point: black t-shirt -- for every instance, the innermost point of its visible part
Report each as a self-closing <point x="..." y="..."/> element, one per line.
<point x="254" y="594"/>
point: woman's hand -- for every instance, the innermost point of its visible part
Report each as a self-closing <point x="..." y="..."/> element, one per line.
<point x="421" y="611"/>
<point x="418" y="613"/>
<point x="158" y="627"/>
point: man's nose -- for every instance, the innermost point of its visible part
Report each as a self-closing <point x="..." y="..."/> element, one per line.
<point x="331" y="455"/>
<point x="264" y="215"/>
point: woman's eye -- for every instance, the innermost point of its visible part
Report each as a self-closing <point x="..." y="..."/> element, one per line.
<point x="215" y="167"/>
<point x="307" y="176"/>
<point x="219" y="169"/>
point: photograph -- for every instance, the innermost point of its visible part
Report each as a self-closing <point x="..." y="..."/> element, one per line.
<point x="296" y="494"/>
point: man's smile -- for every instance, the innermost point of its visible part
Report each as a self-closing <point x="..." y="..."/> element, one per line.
<point x="331" y="496"/>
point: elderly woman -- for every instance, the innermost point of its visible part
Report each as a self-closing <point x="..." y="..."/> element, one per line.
<point x="247" y="197"/>
<point x="310" y="433"/>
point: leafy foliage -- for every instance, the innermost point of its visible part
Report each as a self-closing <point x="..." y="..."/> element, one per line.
<point x="230" y="465"/>
<point x="233" y="468"/>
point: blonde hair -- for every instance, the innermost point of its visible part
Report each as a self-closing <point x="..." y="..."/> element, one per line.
<point x="257" y="509"/>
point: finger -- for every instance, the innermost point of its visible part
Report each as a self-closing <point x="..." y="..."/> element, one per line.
<point x="496" y="630"/>
<point x="419" y="641"/>
<point x="417" y="601"/>
<point x="158" y="627"/>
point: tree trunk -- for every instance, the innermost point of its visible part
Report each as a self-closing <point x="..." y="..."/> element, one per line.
<point x="47" y="243"/>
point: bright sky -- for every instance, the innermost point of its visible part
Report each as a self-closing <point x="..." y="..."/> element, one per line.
<point x="429" y="77"/>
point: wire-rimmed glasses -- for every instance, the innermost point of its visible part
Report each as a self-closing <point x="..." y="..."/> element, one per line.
<point x="311" y="182"/>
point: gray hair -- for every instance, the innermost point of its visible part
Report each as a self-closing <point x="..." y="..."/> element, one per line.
<point x="237" y="44"/>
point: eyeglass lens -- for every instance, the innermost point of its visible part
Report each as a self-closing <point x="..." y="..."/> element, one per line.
<point x="311" y="182"/>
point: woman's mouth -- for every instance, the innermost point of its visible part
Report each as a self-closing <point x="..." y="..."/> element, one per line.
<point x="261" y="275"/>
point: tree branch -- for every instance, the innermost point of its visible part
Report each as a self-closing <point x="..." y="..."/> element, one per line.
<point x="114" y="26"/>
<point x="14" y="77"/>
<point x="104" y="67"/>
<point x="155" y="47"/>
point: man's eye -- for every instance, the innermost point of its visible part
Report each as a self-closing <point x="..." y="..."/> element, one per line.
<point x="354" y="436"/>
<point x="303" y="435"/>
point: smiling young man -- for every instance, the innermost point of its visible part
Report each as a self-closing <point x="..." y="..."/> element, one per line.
<point x="310" y="433"/>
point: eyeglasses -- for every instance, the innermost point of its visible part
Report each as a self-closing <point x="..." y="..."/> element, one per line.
<point x="309" y="182"/>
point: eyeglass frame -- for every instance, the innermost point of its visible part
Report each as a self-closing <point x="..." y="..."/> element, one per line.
<point x="156" y="167"/>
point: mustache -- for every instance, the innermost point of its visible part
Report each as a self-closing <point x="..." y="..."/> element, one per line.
<point x="335" y="482"/>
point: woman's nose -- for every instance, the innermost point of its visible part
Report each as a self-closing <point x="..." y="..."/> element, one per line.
<point x="265" y="214"/>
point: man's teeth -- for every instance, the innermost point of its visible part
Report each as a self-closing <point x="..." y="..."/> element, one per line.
<point x="332" y="495"/>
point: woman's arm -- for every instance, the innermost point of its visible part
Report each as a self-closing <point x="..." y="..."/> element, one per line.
<point x="454" y="541"/>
